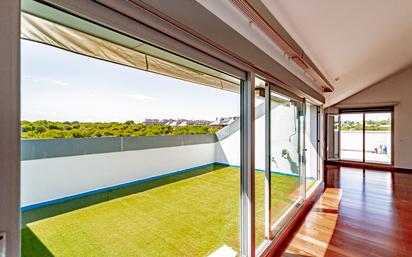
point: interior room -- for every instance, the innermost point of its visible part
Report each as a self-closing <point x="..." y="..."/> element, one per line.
<point x="205" y="128"/>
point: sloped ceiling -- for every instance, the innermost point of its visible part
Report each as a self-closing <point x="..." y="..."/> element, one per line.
<point x="354" y="43"/>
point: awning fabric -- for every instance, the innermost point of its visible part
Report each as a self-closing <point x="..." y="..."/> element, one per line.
<point x="43" y="31"/>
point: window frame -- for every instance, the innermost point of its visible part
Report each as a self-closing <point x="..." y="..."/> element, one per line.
<point x="245" y="74"/>
<point x="288" y="218"/>
<point x="364" y="111"/>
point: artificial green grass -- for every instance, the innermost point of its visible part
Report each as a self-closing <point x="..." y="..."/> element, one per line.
<point x="78" y="203"/>
<point x="193" y="216"/>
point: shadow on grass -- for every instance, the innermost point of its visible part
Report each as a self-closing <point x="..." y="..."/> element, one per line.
<point x="81" y="202"/>
<point x="32" y="246"/>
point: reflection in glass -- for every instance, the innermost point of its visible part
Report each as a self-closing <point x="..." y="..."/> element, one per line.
<point x="260" y="140"/>
<point x="285" y="154"/>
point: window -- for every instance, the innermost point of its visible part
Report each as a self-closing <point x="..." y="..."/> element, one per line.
<point x="286" y="162"/>
<point x="260" y="161"/>
<point x="378" y="137"/>
<point x="312" y="139"/>
<point x="351" y="136"/>
<point x="332" y="136"/>
<point x="361" y="135"/>
<point x="129" y="148"/>
<point x="120" y="158"/>
<point x="282" y="133"/>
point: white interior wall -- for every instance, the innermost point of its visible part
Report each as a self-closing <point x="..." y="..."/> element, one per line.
<point x="397" y="88"/>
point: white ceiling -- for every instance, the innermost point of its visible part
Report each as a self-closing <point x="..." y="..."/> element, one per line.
<point x="354" y="43"/>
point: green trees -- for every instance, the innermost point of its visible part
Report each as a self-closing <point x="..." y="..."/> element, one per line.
<point x="44" y="129"/>
<point x="188" y="130"/>
<point x="382" y="125"/>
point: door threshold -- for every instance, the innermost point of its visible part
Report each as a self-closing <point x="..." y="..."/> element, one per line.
<point x="362" y="165"/>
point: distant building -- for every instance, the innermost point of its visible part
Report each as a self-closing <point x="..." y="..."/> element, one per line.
<point x="222" y="122"/>
<point x="201" y="123"/>
<point x="182" y="124"/>
<point x="219" y="122"/>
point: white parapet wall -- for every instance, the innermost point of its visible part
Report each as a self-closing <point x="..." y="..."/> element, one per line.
<point x="228" y="148"/>
<point x="228" y="145"/>
<point x="285" y="139"/>
<point x="49" y="179"/>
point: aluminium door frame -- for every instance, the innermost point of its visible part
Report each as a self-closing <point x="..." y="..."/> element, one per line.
<point x="318" y="158"/>
<point x="392" y="112"/>
<point x="95" y="12"/>
<point x="365" y="111"/>
<point x="319" y="149"/>
<point x="303" y="151"/>
<point x="327" y="140"/>
<point x="270" y="229"/>
<point x="268" y="177"/>
<point x="247" y="166"/>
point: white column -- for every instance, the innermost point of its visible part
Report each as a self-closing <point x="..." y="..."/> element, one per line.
<point x="10" y="124"/>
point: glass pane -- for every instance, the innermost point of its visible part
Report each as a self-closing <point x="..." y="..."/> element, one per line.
<point x="332" y="140"/>
<point x="285" y="155"/>
<point x="351" y="137"/>
<point x="260" y="118"/>
<point x="311" y="145"/>
<point x="378" y="137"/>
<point x="117" y="161"/>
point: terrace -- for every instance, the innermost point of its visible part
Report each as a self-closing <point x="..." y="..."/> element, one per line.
<point x="161" y="217"/>
<point x="108" y="196"/>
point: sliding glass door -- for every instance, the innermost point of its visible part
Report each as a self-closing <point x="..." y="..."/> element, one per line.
<point x="332" y="136"/>
<point x="285" y="167"/>
<point x="287" y="157"/>
<point x="361" y="135"/>
<point x="164" y="181"/>
<point x="378" y="137"/>
<point x="312" y="140"/>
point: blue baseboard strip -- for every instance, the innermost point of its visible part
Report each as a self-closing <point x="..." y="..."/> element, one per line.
<point x="260" y="170"/>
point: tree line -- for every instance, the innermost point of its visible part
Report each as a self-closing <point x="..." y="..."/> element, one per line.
<point x="370" y="125"/>
<point x="44" y="129"/>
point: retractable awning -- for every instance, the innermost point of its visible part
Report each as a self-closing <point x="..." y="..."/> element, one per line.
<point x="47" y="32"/>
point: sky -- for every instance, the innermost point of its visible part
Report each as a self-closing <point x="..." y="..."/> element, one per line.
<point x="58" y="85"/>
